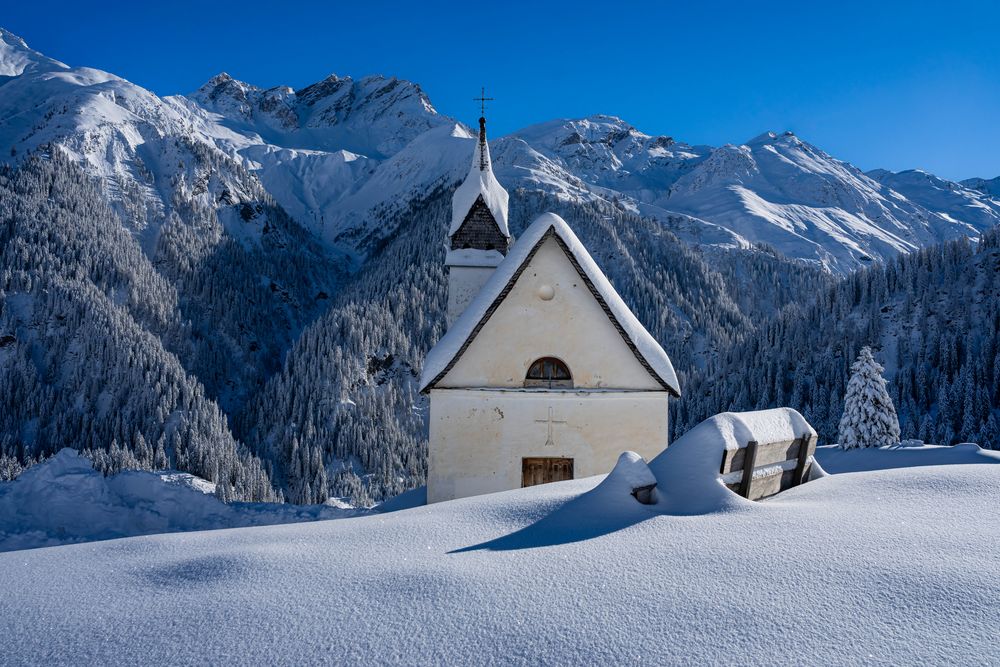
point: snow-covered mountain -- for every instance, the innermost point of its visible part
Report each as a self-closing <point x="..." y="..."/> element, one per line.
<point x="933" y="319"/>
<point x="607" y="153"/>
<point x="782" y="191"/>
<point x="957" y="202"/>
<point x="775" y="189"/>
<point x="345" y="156"/>
<point x="374" y="116"/>
<point x="154" y="157"/>
<point x="342" y="156"/>
<point x="149" y="321"/>
<point x="989" y="186"/>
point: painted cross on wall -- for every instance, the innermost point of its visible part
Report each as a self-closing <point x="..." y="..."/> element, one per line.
<point x="551" y="421"/>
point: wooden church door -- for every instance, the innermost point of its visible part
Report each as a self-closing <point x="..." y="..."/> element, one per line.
<point x="543" y="470"/>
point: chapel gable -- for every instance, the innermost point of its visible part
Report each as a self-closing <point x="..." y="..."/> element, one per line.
<point x="551" y="321"/>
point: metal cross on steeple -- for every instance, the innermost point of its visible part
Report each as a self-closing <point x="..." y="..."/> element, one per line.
<point x="482" y="99"/>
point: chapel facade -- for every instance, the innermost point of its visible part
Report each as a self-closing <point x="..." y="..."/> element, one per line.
<point x="544" y="374"/>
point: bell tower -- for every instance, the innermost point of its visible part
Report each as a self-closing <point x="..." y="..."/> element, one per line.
<point x="478" y="238"/>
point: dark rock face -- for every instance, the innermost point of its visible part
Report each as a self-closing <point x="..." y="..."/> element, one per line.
<point x="317" y="91"/>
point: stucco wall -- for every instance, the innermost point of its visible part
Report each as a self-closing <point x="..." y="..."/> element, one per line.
<point x="571" y="326"/>
<point x="464" y="283"/>
<point x="478" y="437"/>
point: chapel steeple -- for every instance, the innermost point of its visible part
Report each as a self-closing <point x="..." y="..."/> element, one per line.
<point x="479" y="208"/>
<point x="478" y="238"/>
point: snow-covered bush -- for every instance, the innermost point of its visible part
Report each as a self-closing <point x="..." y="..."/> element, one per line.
<point x="869" y="418"/>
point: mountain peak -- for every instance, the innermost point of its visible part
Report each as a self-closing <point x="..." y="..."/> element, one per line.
<point x="16" y="56"/>
<point x="770" y="137"/>
<point x="220" y="78"/>
<point x="765" y="138"/>
<point x="7" y="37"/>
<point x="223" y="85"/>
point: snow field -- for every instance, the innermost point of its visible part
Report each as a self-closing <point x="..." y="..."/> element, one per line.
<point x="886" y="567"/>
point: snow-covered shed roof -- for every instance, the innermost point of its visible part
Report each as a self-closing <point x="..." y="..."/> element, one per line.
<point x="454" y="343"/>
<point x="480" y="181"/>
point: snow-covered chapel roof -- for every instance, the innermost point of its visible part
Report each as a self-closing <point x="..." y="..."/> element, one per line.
<point x="450" y="348"/>
<point x="480" y="181"/>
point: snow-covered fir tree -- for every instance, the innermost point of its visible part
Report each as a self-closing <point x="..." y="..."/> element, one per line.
<point x="869" y="418"/>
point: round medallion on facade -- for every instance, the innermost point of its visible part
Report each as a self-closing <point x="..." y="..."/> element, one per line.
<point x="546" y="292"/>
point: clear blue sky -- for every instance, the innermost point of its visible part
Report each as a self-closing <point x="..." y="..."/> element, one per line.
<point x="879" y="83"/>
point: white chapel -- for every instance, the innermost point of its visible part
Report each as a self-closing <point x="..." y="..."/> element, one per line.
<point x="544" y="374"/>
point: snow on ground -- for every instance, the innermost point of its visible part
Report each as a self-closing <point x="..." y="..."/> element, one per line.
<point x="834" y="460"/>
<point x="64" y="500"/>
<point x="885" y="567"/>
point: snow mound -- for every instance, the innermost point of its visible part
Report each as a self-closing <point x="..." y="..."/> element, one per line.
<point x="64" y="500"/>
<point x="835" y="459"/>
<point x="453" y="342"/>
<point x="687" y="471"/>
<point x="631" y="472"/>
<point x="407" y="500"/>
<point x="587" y="514"/>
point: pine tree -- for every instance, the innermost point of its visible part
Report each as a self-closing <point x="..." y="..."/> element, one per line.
<point x="989" y="435"/>
<point x="869" y="418"/>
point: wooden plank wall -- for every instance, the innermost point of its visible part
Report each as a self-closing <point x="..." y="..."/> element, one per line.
<point x="778" y="466"/>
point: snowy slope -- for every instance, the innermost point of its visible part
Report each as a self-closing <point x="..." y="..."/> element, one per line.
<point x="780" y="190"/>
<point x="956" y="201"/>
<point x="16" y="57"/>
<point x="988" y="186"/>
<point x="374" y="209"/>
<point x="64" y="500"/>
<point x="889" y="567"/>
<point x="836" y="460"/>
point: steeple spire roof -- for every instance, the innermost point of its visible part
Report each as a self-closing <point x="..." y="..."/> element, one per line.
<point x="480" y="182"/>
<point x="484" y="150"/>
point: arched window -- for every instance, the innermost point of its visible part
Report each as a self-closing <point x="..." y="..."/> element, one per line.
<point x="548" y="372"/>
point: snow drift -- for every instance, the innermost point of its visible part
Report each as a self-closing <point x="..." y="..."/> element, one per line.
<point x="64" y="500"/>
<point x="835" y="459"/>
